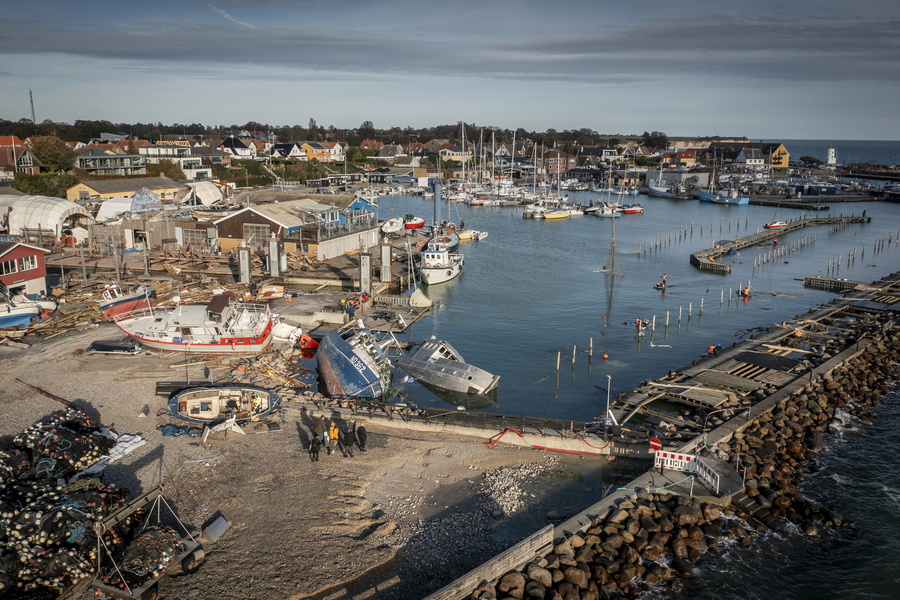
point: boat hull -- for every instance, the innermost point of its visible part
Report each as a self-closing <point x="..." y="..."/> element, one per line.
<point x="247" y="328"/>
<point x="19" y="316"/>
<point x="723" y="199"/>
<point x="347" y="369"/>
<point x="429" y="364"/>
<point x="414" y="223"/>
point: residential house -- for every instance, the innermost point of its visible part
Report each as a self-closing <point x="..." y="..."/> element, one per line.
<point x="337" y="151"/>
<point x="557" y="161"/>
<point x="773" y="154"/>
<point x="316" y="151"/>
<point x="16" y="157"/>
<point x="455" y="154"/>
<point x="238" y="148"/>
<point x="212" y="155"/>
<point x="22" y="268"/>
<point x="371" y="146"/>
<point x="751" y="158"/>
<point x="413" y="162"/>
<point x="104" y="164"/>
<point x="415" y="149"/>
<point x="389" y="153"/>
<point x="681" y="158"/>
<point x="179" y="152"/>
<point x="289" y="150"/>
<point x="434" y="146"/>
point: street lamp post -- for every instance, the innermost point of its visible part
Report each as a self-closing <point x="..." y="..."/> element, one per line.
<point x="608" y="386"/>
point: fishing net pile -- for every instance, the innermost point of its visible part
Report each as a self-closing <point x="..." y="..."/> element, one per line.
<point x="147" y="556"/>
<point x="46" y="537"/>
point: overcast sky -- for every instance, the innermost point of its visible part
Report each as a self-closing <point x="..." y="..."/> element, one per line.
<point x="823" y="69"/>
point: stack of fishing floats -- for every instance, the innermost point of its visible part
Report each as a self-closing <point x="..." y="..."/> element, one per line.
<point x="46" y="535"/>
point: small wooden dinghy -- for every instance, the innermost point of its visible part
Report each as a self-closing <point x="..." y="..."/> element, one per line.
<point x="211" y="405"/>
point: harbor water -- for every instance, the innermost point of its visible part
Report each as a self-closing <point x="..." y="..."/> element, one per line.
<point x="531" y="291"/>
<point x="533" y="295"/>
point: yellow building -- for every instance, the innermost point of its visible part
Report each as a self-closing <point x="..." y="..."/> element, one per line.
<point x="102" y="189"/>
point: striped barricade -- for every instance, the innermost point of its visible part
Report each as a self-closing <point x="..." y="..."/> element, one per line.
<point x="688" y="463"/>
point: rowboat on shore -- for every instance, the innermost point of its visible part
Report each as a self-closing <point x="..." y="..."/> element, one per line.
<point x="211" y="405"/>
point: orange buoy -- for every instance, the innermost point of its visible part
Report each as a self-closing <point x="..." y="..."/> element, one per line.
<point x="605" y="356"/>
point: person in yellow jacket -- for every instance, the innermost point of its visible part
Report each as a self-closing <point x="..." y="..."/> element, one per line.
<point x="333" y="434"/>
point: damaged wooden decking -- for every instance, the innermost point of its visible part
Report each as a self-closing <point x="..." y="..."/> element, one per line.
<point x="708" y="260"/>
<point x="735" y="378"/>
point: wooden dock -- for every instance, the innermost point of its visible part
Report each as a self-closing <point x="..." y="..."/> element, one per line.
<point x="708" y="259"/>
<point x="831" y="284"/>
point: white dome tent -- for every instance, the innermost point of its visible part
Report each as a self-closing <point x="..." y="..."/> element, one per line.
<point x="44" y="214"/>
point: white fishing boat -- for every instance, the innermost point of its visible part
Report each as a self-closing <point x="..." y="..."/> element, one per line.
<point x="439" y="266"/>
<point x="222" y="326"/>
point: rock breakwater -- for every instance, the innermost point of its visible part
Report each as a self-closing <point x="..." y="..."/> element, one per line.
<point x="656" y="539"/>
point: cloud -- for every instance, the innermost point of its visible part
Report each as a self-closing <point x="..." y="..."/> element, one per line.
<point x="224" y="14"/>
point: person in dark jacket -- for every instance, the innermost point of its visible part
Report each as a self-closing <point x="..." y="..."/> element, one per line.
<point x="349" y="439"/>
<point x="314" y="446"/>
<point x="321" y="430"/>
<point x="361" y="437"/>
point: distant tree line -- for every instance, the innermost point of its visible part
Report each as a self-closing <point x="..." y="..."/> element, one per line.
<point x="84" y="130"/>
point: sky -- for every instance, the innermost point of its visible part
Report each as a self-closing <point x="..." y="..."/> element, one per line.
<point x="801" y="69"/>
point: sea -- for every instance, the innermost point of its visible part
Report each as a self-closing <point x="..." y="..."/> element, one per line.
<point x="534" y="305"/>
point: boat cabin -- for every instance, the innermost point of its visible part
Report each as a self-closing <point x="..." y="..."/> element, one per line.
<point x="435" y="259"/>
<point x="217" y="307"/>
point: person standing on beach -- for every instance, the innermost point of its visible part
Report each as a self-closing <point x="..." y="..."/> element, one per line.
<point x="361" y="437"/>
<point x="333" y="434"/>
<point x="314" y="446"/>
<point x="320" y="429"/>
<point x="349" y="439"/>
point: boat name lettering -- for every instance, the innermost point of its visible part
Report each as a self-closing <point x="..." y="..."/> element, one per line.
<point x="358" y="364"/>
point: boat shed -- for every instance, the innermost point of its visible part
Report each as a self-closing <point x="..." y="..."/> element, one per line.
<point x="306" y="225"/>
<point x="40" y="218"/>
<point x="163" y="187"/>
<point x="22" y="268"/>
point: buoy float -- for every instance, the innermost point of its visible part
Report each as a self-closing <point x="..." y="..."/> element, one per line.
<point x="605" y="356"/>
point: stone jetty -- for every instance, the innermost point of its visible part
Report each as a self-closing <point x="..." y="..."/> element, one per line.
<point x="654" y="532"/>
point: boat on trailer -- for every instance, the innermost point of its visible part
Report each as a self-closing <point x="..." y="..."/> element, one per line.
<point x="216" y="404"/>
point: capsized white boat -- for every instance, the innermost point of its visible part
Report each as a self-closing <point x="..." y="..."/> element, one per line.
<point x="438" y="364"/>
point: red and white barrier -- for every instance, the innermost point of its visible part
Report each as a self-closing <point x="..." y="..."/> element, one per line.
<point x="688" y="463"/>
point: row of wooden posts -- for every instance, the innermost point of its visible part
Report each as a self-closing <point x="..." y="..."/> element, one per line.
<point x="652" y="326"/>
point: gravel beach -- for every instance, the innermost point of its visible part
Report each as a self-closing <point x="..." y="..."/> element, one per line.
<point x="404" y="518"/>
